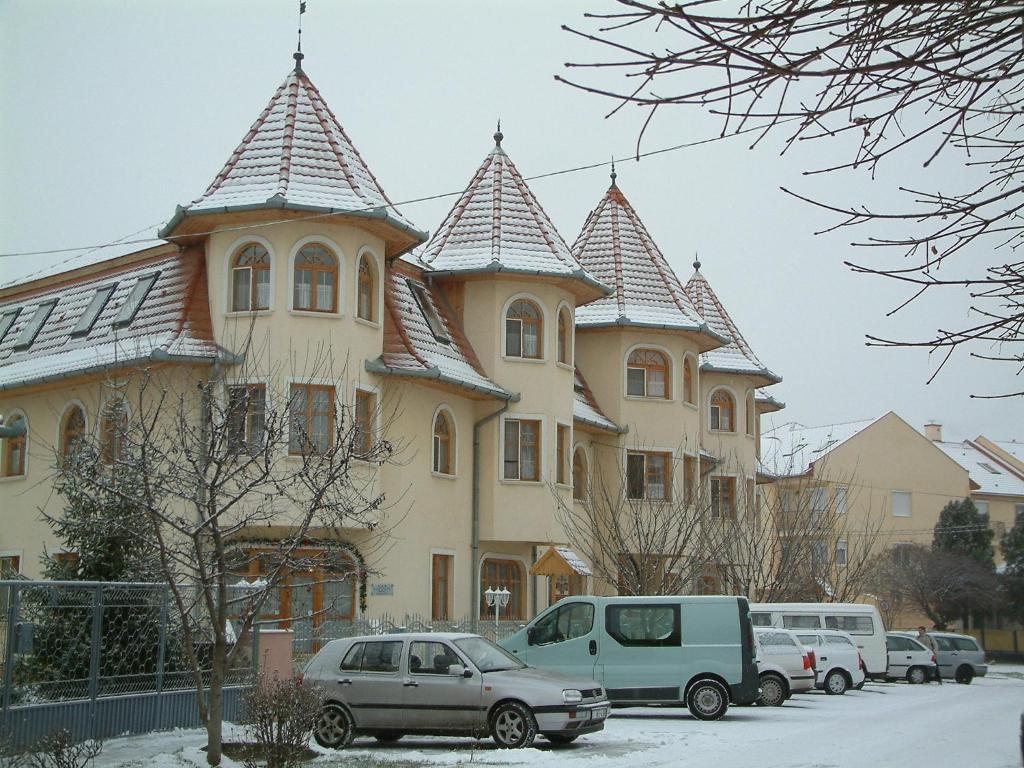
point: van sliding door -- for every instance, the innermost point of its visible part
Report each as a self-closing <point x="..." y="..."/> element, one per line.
<point x="640" y="649"/>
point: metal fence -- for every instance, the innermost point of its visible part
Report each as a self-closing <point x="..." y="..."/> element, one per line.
<point x="100" y="659"/>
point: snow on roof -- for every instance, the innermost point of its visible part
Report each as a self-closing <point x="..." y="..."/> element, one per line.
<point x="574" y="561"/>
<point x="990" y="475"/>
<point x="736" y="356"/>
<point x="296" y="155"/>
<point x="411" y="348"/>
<point x="617" y="249"/>
<point x="85" y="257"/>
<point x="586" y="409"/>
<point x="173" y="318"/>
<point x="769" y="403"/>
<point x="791" y="449"/>
<point x="1012" y="447"/>
<point x="498" y="225"/>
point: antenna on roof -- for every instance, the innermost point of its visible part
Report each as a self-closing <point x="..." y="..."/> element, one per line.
<point x="298" y="52"/>
<point x="614" y="175"/>
<point x="498" y="135"/>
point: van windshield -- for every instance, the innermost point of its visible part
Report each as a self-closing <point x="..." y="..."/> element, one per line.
<point x="487" y="656"/>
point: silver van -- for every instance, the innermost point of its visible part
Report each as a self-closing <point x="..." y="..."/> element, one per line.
<point x="649" y="650"/>
<point x="445" y="684"/>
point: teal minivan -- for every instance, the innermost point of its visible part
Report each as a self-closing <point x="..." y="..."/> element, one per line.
<point x="697" y="651"/>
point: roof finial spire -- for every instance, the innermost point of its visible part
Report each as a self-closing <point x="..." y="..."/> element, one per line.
<point x="298" y="52"/>
<point x="614" y="175"/>
<point x="696" y="262"/>
<point x="498" y="135"/>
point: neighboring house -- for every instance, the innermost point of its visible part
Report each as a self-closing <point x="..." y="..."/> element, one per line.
<point x="513" y="358"/>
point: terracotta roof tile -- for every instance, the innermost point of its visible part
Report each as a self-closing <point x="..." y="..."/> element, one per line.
<point x="174" y="318"/>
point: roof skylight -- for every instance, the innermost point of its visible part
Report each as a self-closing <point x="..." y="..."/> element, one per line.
<point x="7" y="320"/>
<point x="31" y="330"/>
<point x="134" y="301"/>
<point x="96" y="304"/>
<point x="989" y="468"/>
<point x="429" y="312"/>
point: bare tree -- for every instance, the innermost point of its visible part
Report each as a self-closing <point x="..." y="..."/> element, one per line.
<point x="228" y="472"/>
<point x="882" y="80"/>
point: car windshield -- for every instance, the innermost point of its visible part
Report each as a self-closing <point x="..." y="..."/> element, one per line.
<point x="487" y="656"/>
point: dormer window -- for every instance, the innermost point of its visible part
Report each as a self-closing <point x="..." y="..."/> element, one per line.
<point x="7" y="320"/>
<point x="92" y="311"/>
<point x="135" y="298"/>
<point x="419" y="293"/>
<point x="35" y="324"/>
<point x="250" y="279"/>
<point x="523" y="329"/>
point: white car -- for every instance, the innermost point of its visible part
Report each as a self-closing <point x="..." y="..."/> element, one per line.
<point x="839" y="665"/>
<point x="783" y="666"/>
<point x="909" y="659"/>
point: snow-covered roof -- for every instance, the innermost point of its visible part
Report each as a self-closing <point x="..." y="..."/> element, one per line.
<point x="574" y="561"/>
<point x="85" y="257"/>
<point x="617" y="249"/>
<point x="171" y="322"/>
<point x="497" y="225"/>
<point x="585" y="407"/>
<point x="736" y="356"/>
<point x="1012" y="447"/>
<point x="297" y="156"/>
<point x="411" y="346"/>
<point x="767" y="402"/>
<point x="990" y="475"/>
<point x="791" y="449"/>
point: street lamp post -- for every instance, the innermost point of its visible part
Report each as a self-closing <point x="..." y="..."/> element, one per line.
<point x="498" y="598"/>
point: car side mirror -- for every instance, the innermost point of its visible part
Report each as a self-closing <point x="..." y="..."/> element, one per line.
<point x="531" y="635"/>
<point x="457" y="670"/>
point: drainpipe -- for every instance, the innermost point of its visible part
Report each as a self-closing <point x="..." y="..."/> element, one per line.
<point x="474" y="571"/>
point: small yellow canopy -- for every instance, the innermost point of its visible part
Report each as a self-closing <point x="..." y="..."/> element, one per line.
<point x="560" y="561"/>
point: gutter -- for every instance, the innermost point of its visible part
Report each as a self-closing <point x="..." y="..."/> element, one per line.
<point x="435" y="374"/>
<point x="577" y="274"/>
<point x="474" y="570"/>
<point x="614" y="428"/>
<point x="772" y="377"/>
<point x="624" y="322"/>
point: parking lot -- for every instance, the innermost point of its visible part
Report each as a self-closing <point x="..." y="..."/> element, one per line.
<point x="886" y="724"/>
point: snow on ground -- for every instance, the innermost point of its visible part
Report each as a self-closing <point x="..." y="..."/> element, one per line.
<point x="886" y="724"/>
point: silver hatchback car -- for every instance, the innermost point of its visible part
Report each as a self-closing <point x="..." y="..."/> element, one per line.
<point x="446" y="684"/>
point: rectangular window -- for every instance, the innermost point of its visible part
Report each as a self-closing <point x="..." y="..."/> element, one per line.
<point x="1018" y="512"/>
<point x="841" y="499"/>
<point x="311" y="419"/>
<point x="982" y="507"/>
<point x="817" y="501"/>
<point x="795" y="621"/>
<point x="366" y="406"/>
<point x="636" y="385"/>
<point x="92" y="311"/>
<point x="6" y="321"/>
<point x="841" y="553"/>
<point x="441" y="587"/>
<point x="429" y="312"/>
<point x="650" y="626"/>
<point x="901" y="554"/>
<point x="761" y="619"/>
<point x="648" y="476"/>
<point x="901" y="503"/>
<point x="35" y="324"/>
<point x="246" y="417"/>
<point x="723" y="497"/>
<point x="522" y="450"/>
<point x="562" y="449"/>
<point x="855" y="625"/>
<point x="9" y="566"/>
<point x="690" y="478"/>
<point x="133" y="303"/>
<point x="379" y="656"/>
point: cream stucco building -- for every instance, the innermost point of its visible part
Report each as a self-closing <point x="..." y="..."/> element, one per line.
<point x="518" y="366"/>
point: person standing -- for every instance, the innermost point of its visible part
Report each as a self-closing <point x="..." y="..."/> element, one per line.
<point x="929" y="642"/>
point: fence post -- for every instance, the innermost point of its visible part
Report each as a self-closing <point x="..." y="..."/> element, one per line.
<point x="254" y="645"/>
<point x="12" y="620"/>
<point x="94" y="656"/>
<point x="161" y="657"/>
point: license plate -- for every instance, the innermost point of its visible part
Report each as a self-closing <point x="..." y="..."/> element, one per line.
<point x="599" y="714"/>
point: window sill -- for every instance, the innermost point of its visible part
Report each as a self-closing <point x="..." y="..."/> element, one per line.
<point x="721" y="431"/>
<point x="643" y="399"/>
<point x="367" y="323"/>
<point x="534" y="360"/>
<point x="563" y="486"/>
<point x="566" y="366"/>
<point x="443" y="476"/>
<point x="314" y="313"/>
<point x="512" y="481"/>
<point x="692" y="406"/>
<point x="249" y="312"/>
<point x="12" y="478"/>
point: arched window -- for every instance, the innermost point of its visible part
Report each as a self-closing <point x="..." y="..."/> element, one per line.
<point x="579" y="475"/>
<point x="723" y="411"/>
<point x="444" y="443"/>
<point x="510" y="575"/>
<point x="564" y="337"/>
<point x="750" y="414"/>
<point x="72" y="431"/>
<point x="524" y="326"/>
<point x="366" y="289"/>
<point x="250" y="278"/>
<point x="688" y="380"/>
<point x="15" y="447"/>
<point x="647" y="374"/>
<point x="113" y="432"/>
<point x="316" y="279"/>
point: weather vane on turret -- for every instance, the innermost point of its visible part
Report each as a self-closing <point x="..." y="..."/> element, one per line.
<point x="298" y="52"/>
<point x="614" y="175"/>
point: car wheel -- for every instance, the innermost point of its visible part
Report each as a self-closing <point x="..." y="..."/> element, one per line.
<point x="334" y="729"/>
<point x="388" y="738"/>
<point x="964" y="675"/>
<point x="917" y="675"/>
<point x="836" y="683"/>
<point x="513" y="726"/>
<point x="561" y="739"/>
<point x="707" y="700"/>
<point x="773" y="690"/>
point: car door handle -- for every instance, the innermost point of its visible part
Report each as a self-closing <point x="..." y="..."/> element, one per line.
<point x="410" y="684"/>
<point x="824" y="658"/>
<point x="345" y="681"/>
<point x="593" y="647"/>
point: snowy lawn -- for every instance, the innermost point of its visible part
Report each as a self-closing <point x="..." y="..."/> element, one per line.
<point x="886" y="724"/>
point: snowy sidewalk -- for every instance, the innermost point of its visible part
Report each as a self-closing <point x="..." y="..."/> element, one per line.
<point x="892" y="724"/>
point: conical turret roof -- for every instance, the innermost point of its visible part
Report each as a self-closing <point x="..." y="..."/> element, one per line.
<point x="617" y="249"/>
<point x="498" y="225"/>
<point x="296" y="156"/>
<point x="736" y="356"/>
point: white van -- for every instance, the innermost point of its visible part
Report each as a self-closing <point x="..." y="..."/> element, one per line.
<point x="861" y="621"/>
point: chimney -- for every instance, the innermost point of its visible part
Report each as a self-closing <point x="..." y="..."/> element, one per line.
<point x="933" y="431"/>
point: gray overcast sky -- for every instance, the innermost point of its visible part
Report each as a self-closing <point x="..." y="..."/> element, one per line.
<point x="113" y="112"/>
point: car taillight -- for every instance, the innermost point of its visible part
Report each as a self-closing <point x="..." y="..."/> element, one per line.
<point x="933" y="659"/>
<point x="807" y="661"/>
<point x="814" y="658"/>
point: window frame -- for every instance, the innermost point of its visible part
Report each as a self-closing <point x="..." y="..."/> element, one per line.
<point x="538" y="443"/>
<point x="581" y="489"/>
<point x="673" y="640"/>
<point x="731" y="410"/>
<point x="689" y="380"/>
<point x="92" y="311"/>
<point x="63" y="424"/>
<point x="716" y="484"/>
<point x="111" y="451"/>
<point x="436" y="598"/>
<point x="10" y="443"/>
<point x="565" y="338"/>
<point x="520" y="594"/>
<point x="234" y="268"/>
<point x="523" y="323"/>
<point x="666" y="475"/>
<point x="30" y="331"/>
<point x="368" y="258"/>
<point x="247" y="444"/>
<point x="892" y="503"/>
<point x="311" y="387"/>
<point x="136" y="297"/>
<point x="563" y="446"/>
<point x="364" y="421"/>
<point x="647" y="368"/>
<point x="338" y="285"/>
<point x="750" y="412"/>
<point x="443" y="412"/>
<point x="421" y="296"/>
